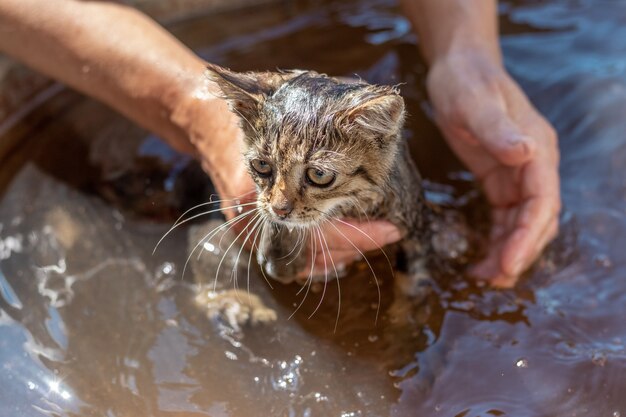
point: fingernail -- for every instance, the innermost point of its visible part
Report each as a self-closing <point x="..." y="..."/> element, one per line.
<point x="517" y="137"/>
<point x="525" y="143"/>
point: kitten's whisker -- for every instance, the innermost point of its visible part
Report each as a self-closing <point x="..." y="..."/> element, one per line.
<point x="251" y="227"/>
<point x="205" y="237"/>
<point x="317" y="228"/>
<point x="299" y="244"/>
<point x="262" y="271"/>
<point x="193" y="208"/>
<point x="213" y="232"/>
<point x="243" y="244"/>
<point x="230" y="224"/>
<point x="313" y="256"/>
<point x="177" y="223"/>
<point x="368" y="264"/>
<point x="208" y="236"/>
<point x="256" y="236"/>
<point x="219" y="244"/>
<point x="235" y="198"/>
<point x="309" y="279"/>
<point x="336" y="279"/>
<point x="292" y="250"/>
<point x="211" y="201"/>
<point x="219" y="265"/>
<point x="372" y="240"/>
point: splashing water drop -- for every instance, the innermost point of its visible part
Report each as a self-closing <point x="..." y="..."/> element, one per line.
<point x="288" y="377"/>
<point x="167" y="268"/>
<point x="522" y="363"/>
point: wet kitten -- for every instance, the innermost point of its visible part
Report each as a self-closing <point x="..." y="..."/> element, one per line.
<point x="318" y="149"/>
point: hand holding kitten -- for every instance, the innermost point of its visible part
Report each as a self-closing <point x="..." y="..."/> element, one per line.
<point x="484" y="115"/>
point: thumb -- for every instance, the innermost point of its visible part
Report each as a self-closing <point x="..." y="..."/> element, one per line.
<point x="502" y="138"/>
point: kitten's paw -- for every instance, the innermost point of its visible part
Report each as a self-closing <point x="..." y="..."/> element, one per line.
<point x="235" y="308"/>
<point x="263" y="314"/>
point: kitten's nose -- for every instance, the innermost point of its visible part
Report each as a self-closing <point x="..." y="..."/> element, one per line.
<point x="283" y="209"/>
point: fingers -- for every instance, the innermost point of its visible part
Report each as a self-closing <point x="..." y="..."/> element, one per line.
<point x="529" y="239"/>
<point x="537" y="221"/>
<point x="346" y="241"/>
<point x="518" y="236"/>
<point x="348" y="235"/>
<point x="489" y="268"/>
<point x="507" y="280"/>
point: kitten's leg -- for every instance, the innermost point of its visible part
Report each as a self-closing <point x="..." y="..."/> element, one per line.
<point x="417" y="281"/>
<point x="283" y="253"/>
<point x="412" y="283"/>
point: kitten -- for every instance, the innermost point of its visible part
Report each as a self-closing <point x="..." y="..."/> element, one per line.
<point x="319" y="148"/>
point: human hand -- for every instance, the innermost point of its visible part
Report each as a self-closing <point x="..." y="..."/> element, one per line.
<point x="344" y="241"/>
<point x="494" y="129"/>
<point x="214" y="137"/>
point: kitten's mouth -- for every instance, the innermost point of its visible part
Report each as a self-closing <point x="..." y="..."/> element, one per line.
<point x="295" y="220"/>
<point x="288" y="222"/>
<point x="291" y="223"/>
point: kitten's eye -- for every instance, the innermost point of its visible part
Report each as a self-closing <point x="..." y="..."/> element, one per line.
<point x="320" y="178"/>
<point x="261" y="167"/>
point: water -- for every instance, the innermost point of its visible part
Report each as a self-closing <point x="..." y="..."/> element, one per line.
<point x="91" y="324"/>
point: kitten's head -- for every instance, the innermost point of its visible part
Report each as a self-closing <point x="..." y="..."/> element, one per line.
<point x="314" y="145"/>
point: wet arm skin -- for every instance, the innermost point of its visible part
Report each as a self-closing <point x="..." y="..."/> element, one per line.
<point x="121" y="57"/>
<point x="448" y="26"/>
<point x="491" y="125"/>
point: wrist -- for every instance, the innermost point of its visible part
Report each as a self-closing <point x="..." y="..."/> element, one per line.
<point x="469" y="47"/>
<point x="471" y="65"/>
<point x="212" y="131"/>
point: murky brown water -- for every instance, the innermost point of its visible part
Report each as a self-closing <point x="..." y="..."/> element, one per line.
<point x="91" y="324"/>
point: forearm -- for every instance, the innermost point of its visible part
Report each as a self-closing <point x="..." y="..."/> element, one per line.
<point x="454" y="26"/>
<point x="107" y="51"/>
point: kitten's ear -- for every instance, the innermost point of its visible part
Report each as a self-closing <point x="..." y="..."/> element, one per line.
<point x="245" y="91"/>
<point x="378" y="114"/>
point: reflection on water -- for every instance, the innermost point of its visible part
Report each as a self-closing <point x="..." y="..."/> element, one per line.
<point x="93" y="324"/>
